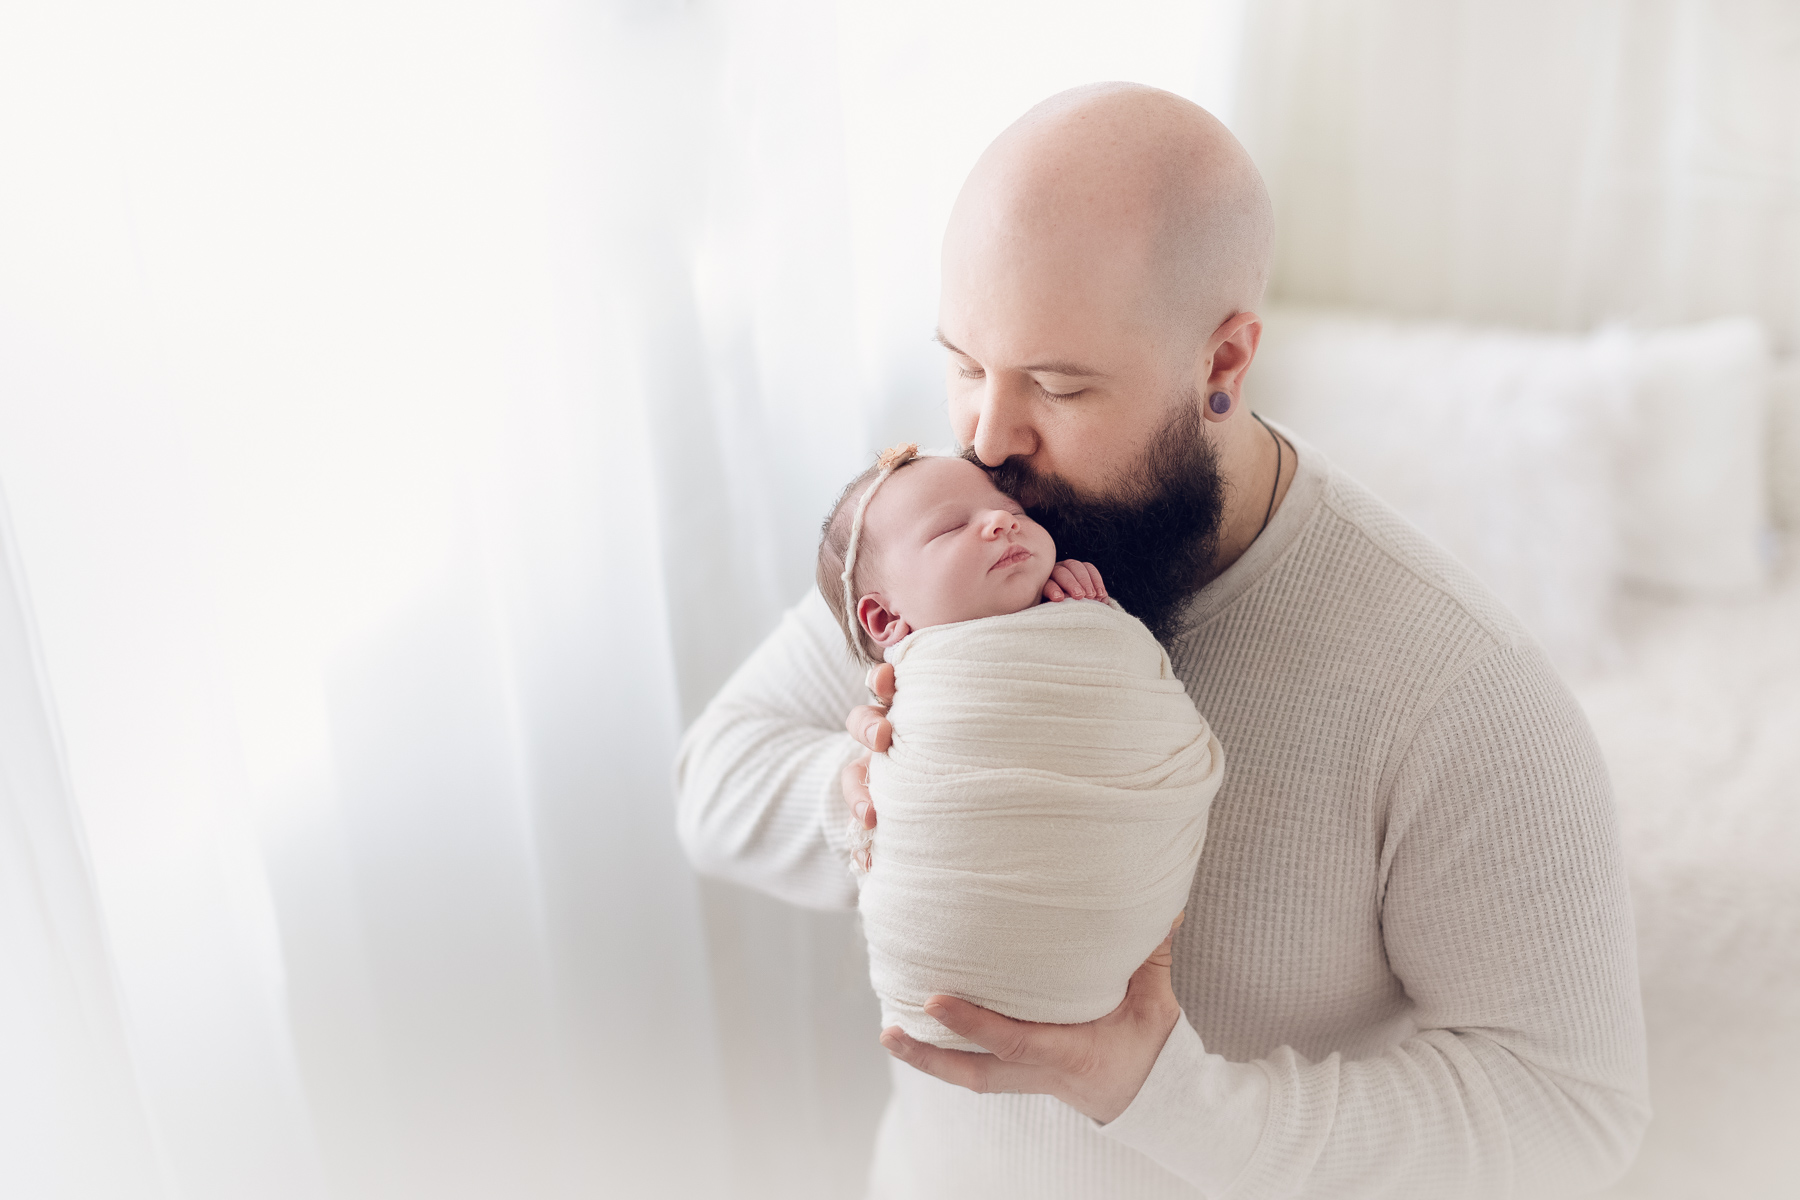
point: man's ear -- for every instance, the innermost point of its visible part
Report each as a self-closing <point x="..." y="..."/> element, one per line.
<point x="884" y="626"/>
<point x="1228" y="355"/>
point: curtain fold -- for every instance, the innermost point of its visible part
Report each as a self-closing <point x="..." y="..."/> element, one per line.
<point x="72" y="1119"/>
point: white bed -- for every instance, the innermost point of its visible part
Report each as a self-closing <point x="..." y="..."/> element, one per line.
<point x="1701" y="728"/>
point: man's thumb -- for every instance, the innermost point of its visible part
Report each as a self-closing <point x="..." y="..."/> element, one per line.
<point x="1152" y="978"/>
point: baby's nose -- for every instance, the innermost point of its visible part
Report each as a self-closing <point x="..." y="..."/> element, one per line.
<point x="1000" y="521"/>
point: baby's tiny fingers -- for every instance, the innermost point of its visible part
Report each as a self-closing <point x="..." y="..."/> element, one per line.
<point x="1071" y="581"/>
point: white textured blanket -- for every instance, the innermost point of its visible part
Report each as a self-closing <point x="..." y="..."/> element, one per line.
<point x="1041" y="812"/>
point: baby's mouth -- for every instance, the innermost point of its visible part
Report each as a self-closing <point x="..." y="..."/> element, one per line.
<point x="1015" y="555"/>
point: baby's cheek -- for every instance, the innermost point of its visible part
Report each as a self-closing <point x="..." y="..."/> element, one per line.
<point x="1047" y="553"/>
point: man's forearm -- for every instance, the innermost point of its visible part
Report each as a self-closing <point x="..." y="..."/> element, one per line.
<point x="754" y="792"/>
<point x="1442" y="1114"/>
<point x="757" y="775"/>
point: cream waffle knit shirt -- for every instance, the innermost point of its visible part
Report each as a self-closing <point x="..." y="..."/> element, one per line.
<point x="1408" y="963"/>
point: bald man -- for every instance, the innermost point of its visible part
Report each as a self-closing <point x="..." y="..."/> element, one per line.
<point x="1406" y="967"/>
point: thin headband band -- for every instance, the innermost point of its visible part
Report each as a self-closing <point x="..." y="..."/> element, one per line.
<point x="891" y="460"/>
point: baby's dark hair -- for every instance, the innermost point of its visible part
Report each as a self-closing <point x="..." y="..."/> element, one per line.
<point x="834" y="544"/>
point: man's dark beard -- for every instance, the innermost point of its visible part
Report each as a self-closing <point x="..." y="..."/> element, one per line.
<point x="1153" y="551"/>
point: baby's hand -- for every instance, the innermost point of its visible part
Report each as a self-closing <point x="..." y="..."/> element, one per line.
<point x="1072" y="580"/>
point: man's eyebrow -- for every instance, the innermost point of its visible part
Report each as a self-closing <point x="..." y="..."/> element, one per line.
<point x="1063" y="368"/>
<point x="1060" y="367"/>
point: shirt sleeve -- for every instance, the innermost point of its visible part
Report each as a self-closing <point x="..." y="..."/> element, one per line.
<point x="1505" y="915"/>
<point x="757" y="793"/>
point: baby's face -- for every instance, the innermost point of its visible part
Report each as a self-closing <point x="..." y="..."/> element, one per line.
<point x="949" y="546"/>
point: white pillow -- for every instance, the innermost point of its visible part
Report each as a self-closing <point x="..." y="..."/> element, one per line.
<point x="1499" y="445"/>
<point x="1693" y="494"/>
<point x="1555" y="466"/>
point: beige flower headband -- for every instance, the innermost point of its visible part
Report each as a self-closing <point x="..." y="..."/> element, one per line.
<point x="890" y="460"/>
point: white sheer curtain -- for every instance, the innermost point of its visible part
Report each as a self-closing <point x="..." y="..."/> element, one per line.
<point x="327" y="448"/>
<point x="1541" y="163"/>
<point x="408" y="415"/>
<point x="78" y="1127"/>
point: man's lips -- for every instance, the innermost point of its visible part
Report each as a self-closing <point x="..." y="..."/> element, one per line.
<point x="1017" y="554"/>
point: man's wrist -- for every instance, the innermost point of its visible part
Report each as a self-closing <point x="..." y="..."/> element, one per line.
<point x="1118" y="1093"/>
<point x="1198" y="1115"/>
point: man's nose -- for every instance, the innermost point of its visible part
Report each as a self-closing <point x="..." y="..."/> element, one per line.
<point x="1002" y="425"/>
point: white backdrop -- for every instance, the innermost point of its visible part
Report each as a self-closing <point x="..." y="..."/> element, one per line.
<point x="409" y="414"/>
<point x="1541" y="163"/>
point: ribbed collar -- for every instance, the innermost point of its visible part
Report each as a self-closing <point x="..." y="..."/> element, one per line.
<point x="1303" y="498"/>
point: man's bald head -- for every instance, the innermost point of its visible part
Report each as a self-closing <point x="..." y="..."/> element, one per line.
<point x="1124" y="188"/>
<point x="1101" y="271"/>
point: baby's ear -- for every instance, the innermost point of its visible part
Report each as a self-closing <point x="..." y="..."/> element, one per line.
<point x="883" y="626"/>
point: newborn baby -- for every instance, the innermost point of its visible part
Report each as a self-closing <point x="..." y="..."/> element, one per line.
<point x="1044" y="800"/>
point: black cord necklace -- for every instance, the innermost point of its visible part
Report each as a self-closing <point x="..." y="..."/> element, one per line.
<point x="1276" y="486"/>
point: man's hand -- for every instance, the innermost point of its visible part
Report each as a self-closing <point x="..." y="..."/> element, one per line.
<point x="1096" y="1068"/>
<point x="868" y="724"/>
<point x="1074" y="580"/>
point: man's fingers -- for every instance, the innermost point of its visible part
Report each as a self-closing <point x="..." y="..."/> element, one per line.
<point x="853" y="781"/>
<point x="869" y="725"/>
<point x="976" y="1072"/>
<point x="1152" y="978"/>
<point x="881" y="682"/>
<point x="1006" y="1039"/>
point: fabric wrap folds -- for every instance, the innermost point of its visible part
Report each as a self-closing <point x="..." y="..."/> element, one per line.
<point x="1041" y="812"/>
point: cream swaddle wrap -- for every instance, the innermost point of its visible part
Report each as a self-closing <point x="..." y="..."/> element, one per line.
<point x="1040" y="815"/>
